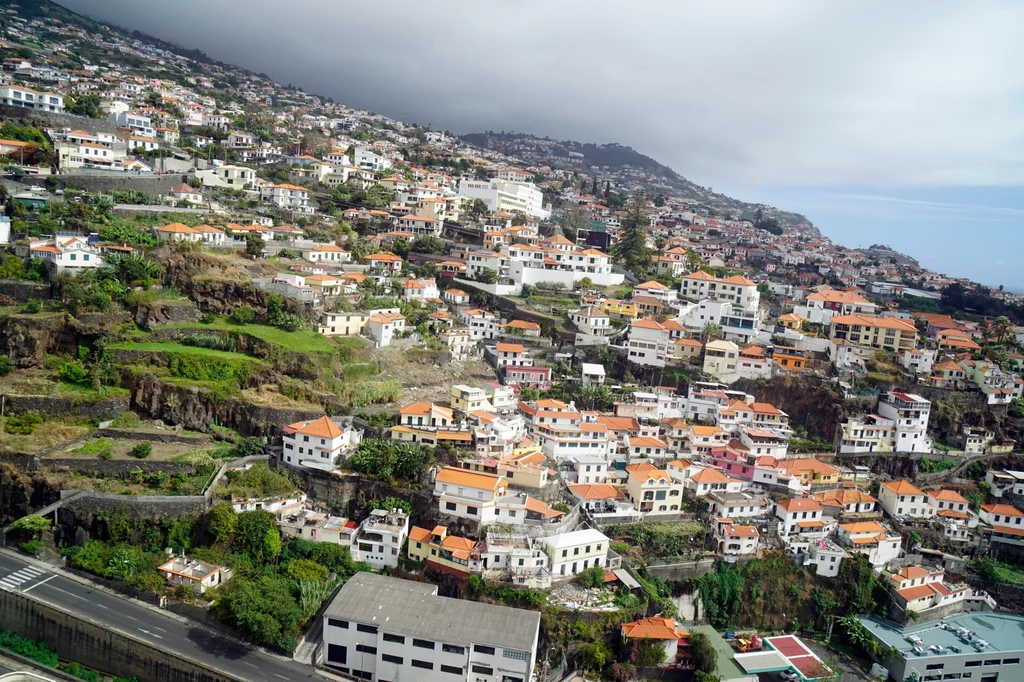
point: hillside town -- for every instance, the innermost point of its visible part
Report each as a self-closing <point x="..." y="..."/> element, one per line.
<point x="295" y="390"/>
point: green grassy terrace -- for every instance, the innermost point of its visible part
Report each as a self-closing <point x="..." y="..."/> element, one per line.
<point x="301" y="341"/>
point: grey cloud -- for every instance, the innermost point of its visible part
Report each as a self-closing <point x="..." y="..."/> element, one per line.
<point x="788" y="92"/>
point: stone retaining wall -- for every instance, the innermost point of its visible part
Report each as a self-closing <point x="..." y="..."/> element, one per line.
<point x="94" y="646"/>
<point x="64" y="407"/>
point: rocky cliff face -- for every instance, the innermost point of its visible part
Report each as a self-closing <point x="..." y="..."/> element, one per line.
<point x="21" y="493"/>
<point x="26" y="339"/>
<point x="198" y="409"/>
<point x="148" y="315"/>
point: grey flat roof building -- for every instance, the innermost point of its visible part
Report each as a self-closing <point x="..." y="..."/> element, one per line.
<point x="982" y="646"/>
<point x="410" y="608"/>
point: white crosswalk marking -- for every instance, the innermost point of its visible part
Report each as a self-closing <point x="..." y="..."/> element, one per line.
<point x="20" y="577"/>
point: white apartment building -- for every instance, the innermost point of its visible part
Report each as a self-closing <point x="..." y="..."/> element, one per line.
<point x="469" y="494"/>
<point x="739" y="324"/>
<point x="386" y="629"/>
<point x="737" y="290"/>
<point x="720" y="358"/>
<point x="290" y="197"/>
<point x="380" y="538"/>
<point x="17" y="96"/>
<point x="368" y="160"/>
<point x="909" y="413"/>
<point x="869" y="433"/>
<point x="649" y="343"/>
<point x="563" y="431"/>
<point x="576" y="551"/>
<point x="507" y="196"/>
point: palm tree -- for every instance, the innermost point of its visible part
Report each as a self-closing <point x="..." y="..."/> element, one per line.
<point x="710" y="331"/>
<point x="1000" y="327"/>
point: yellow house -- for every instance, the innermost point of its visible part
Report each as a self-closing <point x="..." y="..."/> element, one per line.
<point x="448" y="553"/>
<point x="879" y="333"/>
<point x="789" y="359"/>
<point x="810" y="471"/>
<point x="621" y="309"/>
<point x="432" y="437"/>
<point x="468" y="399"/>
<point x="792" y="321"/>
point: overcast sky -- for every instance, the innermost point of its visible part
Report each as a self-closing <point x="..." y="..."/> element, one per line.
<point x="823" y="103"/>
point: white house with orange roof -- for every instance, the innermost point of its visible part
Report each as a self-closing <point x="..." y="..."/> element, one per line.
<point x="871" y="538"/>
<point x="482" y="323"/>
<point x="455" y="297"/>
<point x="823" y="305"/>
<point x="652" y="491"/>
<point x="658" y="629"/>
<point x="177" y="232"/>
<point x="384" y="262"/>
<point x="319" y="440"/>
<point x="563" y="431"/>
<point x="733" y="539"/>
<point x="66" y="255"/>
<point x="511" y="355"/>
<point x="327" y="254"/>
<point x="468" y="494"/>
<point x="383" y="325"/>
<point x="903" y="498"/>
<point x="419" y="290"/>
<point x="655" y="290"/>
<point x="646" y="447"/>
<point x="710" y="480"/>
<point x="917" y="589"/>
<point x="800" y="516"/>
<point x="1004" y="518"/>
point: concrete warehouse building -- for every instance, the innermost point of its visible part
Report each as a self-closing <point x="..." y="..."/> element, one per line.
<point x="980" y="646"/>
<point x="380" y="628"/>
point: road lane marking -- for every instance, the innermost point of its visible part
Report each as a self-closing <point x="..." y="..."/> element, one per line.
<point x="151" y="634"/>
<point x="159" y="628"/>
<point x="130" y="617"/>
<point x="250" y="664"/>
<point x="281" y="676"/>
<point x="70" y="594"/>
<point x="41" y="582"/>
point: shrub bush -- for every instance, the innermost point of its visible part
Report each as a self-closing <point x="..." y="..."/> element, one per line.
<point x="142" y="450"/>
<point x="24" y="425"/>
<point x="6" y="366"/>
<point x="32" y="307"/>
<point x="30" y="547"/>
<point x="243" y="314"/>
<point x="73" y="372"/>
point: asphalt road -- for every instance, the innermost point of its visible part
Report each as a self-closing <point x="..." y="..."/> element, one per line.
<point x="191" y="642"/>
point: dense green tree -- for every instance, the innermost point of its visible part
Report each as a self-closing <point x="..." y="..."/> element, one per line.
<point x="252" y="536"/>
<point x="705" y="656"/>
<point x="486" y="276"/>
<point x="254" y="245"/>
<point x="631" y="250"/>
<point x="86" y="105"/>
<point x="221" y="522"/>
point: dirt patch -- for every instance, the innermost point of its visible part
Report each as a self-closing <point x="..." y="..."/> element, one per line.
<point x="267" y="395"/>
<point x="46" y="435"/>
<point x="122" y="449"/>
<point x="429" y="382"/>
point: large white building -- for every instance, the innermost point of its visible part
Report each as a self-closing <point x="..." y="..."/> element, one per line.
<point x="17" y="96"/>
<point x="508" y="196"/>
<point x="380" y="538"/>
<point x="909" y="413"/>
<point x="576" y="551"/>
<point x="386" y="629"/>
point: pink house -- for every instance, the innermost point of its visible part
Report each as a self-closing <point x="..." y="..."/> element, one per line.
<point x="528" y="376"/>
<point x="733" y="459"/>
